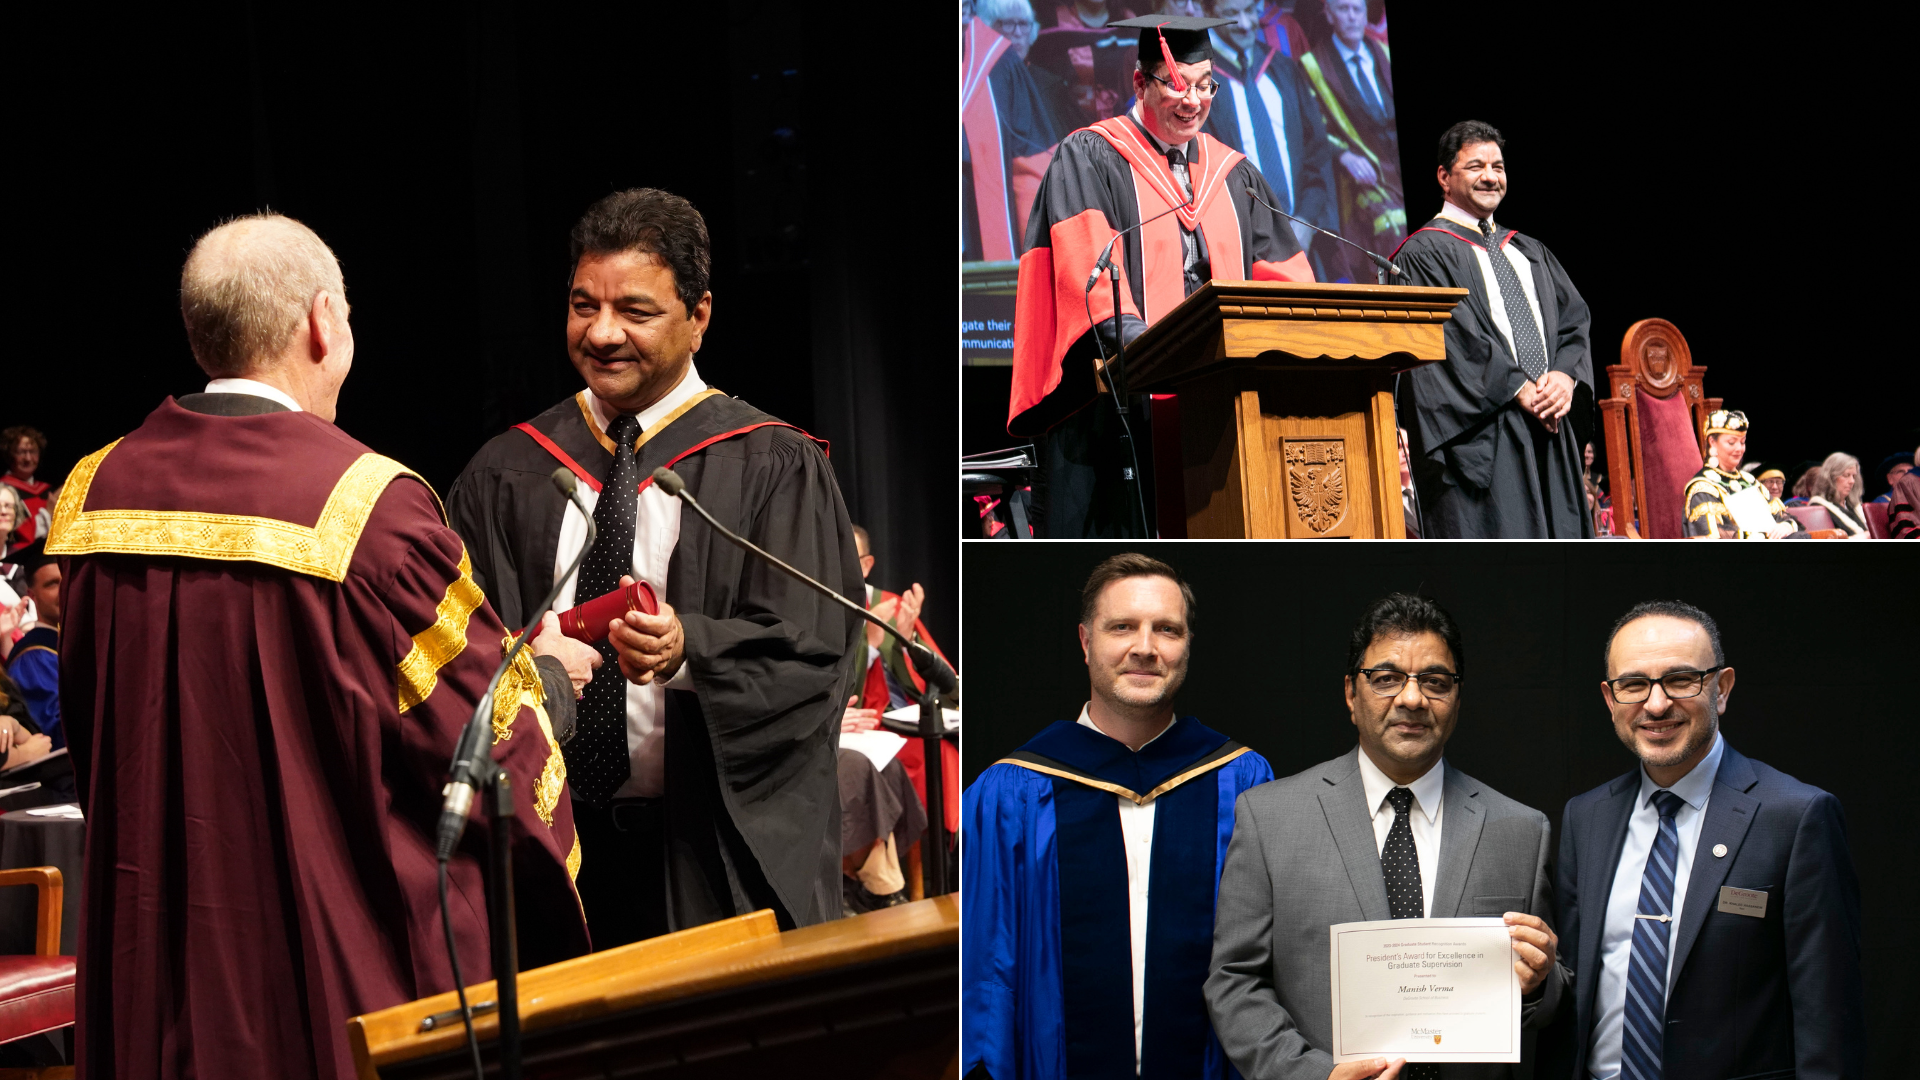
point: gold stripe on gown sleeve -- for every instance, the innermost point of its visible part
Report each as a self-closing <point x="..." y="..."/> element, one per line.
<point x="436" y="646"/>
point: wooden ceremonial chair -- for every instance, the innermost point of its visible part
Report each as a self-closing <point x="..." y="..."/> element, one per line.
<point x="36" y="992"/>
<point x="1877" y="522"/>
<point x="1814" y="518"/>
<point x="1656" y="424"/>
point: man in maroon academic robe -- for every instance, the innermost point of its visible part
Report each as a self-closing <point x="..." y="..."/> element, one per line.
<point x="272" y="642"/>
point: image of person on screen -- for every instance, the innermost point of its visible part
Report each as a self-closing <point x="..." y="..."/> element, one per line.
<point x="1266" y="111"/>
<point x="1351" y="75"/>
<point x="1106" y="179"/>
<point x="1006" y="139"/>
<point x="1493" y="453"/>
<point x="1083" y="43"/>
<point x="1070" y="966"/>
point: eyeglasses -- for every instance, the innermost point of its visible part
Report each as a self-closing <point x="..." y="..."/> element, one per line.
<point x="1678" y="685"/>
<point x="1203" y="89"/>
<point x="1388" y="683"/>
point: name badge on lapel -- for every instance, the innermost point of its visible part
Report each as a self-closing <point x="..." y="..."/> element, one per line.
<point x="1743" y="901"/>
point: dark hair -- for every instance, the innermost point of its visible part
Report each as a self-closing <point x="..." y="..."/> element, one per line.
<point x="1125" y="565"/>
<point x="12" y="436"/>
<point x="1672" y="609"/>
<point x="1400" y="615"/>
<point x="656" y="222"/>
<point x="1467" y="133"/>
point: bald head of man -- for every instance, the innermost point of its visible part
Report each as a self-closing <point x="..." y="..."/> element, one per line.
<point x="263" y="299"/>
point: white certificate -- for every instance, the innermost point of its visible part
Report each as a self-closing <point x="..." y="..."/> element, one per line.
<point x="1425" y="990"/>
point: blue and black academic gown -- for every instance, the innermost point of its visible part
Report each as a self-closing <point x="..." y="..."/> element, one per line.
<point x="1044" y="878"/>
<point x="35" y="666"/>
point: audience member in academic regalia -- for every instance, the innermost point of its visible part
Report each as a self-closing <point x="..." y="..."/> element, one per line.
<point x="1006" y="140"/>
<point x="1774" y="481"/>
<point x="892" y="683"/>
<point x="1839" y="494"/>
<point x="1903" y="511"/>
<point x="1707" y="496"/>
<point x="1101" y="182"/>
<point x="880" y="818"/>
<point x="1014" y="20"/>
<point x="1083" y="43"/>
<point x="1266" y="111"/>
<point x="1063" y="837"/>
<point x="1352" y="75"/>
<point x="271" y="645"/>
<point x="21" y="742"/>
<point x="13" y="511"/>
<point x="34" y="662"/>
<point x="1893" y="466"/>
<point x="1493" y="454"/>
<point x="23" y="447"/>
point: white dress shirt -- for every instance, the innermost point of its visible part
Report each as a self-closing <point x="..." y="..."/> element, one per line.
<point x="254" y="388"/>
<point x="1616" y="942"/>
<point x="656" y="530"/>
<point x="1521" y="266"/>
<point x="1423" y="817"/>
<point x="1136" y="832"/>
<point x="1363" y="58"/>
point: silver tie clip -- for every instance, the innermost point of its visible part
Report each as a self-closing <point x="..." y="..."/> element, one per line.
<point x="1662" y="918"/>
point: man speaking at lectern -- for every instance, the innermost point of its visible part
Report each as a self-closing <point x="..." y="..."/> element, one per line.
<point x="1493" y="453"/>
<point x="1123" y="172"/>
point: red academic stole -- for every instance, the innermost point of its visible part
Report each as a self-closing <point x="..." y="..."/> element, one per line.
<point x="980" y="49"/>
<point x="688" y="440"/>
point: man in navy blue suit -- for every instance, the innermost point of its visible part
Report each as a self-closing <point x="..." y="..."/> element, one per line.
<point x="1708" y="904"/>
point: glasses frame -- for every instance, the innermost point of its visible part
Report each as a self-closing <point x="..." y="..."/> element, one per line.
<point x="1412" y="677"/>
<point x="1614" y="690"/>
<point x="1192" y="88"/>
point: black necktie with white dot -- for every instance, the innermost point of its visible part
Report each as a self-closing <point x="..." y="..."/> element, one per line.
<point x="1526" y="333"/>
<point x="597" y="759"/>
<point x="1406" y="899"/>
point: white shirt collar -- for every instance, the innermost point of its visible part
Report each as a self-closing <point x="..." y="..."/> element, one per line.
<point x="689" y="385"/>
<point x="1186" y="148"/>
<point x="1694" y="787"/>
<point x="1465" y="217"/>
<point x="254" y="388"/>
<point x="1348" y="52"/>
<point x="1426" y="790"/>
<point x="1088" y="721"/>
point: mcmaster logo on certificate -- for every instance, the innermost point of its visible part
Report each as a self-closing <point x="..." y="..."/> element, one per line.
<point x="1427" y="990"/>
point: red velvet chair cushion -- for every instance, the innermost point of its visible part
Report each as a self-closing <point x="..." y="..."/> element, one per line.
<point x="1669" y="457"/>
<point x="36" y="995"/>
<point x="1812" y="517"/>
<point x="1876" y="519"/>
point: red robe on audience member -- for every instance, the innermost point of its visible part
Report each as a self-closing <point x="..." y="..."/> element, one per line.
<point x="271" y="644"/>
<point x="913" y="757"/>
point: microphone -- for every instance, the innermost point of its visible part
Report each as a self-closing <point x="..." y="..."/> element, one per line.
<point x="1383" y="264"/>
<point x="462" y="777"/>
<point x="925" y="661"/>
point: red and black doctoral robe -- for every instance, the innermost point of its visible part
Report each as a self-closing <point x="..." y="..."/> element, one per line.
<point x="1105" y="179"/>
<point x="272" y="642"/>
<point x="33" y="493"/>
<point x="1006" y="141"/>
<point x="913" y="756"/>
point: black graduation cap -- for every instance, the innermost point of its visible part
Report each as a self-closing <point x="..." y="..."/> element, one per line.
<point x="1177" y="38"/>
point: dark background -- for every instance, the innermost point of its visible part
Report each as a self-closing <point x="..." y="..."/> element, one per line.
<point x="444" y="154"/>
<point x="1690" y="162"/>
<point x="1820" y="691"/>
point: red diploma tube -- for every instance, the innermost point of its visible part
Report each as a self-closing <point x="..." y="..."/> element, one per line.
<point x="588" y="622"/>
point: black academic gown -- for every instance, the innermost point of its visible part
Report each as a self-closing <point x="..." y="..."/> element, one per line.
<point x="1484" y="466"/>
<point x="752" y="801"/>
<point x="1309" y="154"/>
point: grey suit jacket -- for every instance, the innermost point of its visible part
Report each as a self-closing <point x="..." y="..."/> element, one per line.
<point x="1302" y="858"/>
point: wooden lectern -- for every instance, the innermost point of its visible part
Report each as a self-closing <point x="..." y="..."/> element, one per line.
<point x="870" y="996"/>
<point x="1286" y="404"/>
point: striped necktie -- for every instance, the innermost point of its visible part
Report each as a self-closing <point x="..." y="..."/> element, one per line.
<point x="1643" y="1037"/>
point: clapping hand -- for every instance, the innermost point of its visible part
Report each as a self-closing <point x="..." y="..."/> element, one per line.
<point x="858" y="719"/>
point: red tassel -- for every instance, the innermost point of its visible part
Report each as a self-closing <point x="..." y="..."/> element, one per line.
<point x="1173" y="72"/>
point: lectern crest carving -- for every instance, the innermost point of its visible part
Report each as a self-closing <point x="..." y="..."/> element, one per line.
<point x="1317" y="480"/>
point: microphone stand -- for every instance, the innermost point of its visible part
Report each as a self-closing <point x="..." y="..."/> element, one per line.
<point x="939" y="678"/>
<point x="474" y="771"/>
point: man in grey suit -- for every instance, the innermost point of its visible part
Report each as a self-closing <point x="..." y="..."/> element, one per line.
<point x="1388" y="830"/>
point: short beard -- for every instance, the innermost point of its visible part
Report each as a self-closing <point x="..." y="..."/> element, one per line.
<point x="1175" y="678"/>
<point x="1685" y="749"/>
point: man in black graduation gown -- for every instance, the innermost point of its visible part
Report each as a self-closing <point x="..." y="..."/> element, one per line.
<point x="1105" y="179"/>
<point x="704" y="781"/>
<point x="1493" y="453"/>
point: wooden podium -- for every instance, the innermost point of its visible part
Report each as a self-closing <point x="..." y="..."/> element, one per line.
<point x="870" y="996"/>
<point x="1286" y="405"/>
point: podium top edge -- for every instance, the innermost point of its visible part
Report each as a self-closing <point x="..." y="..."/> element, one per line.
<point x="1326" y="290"/>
